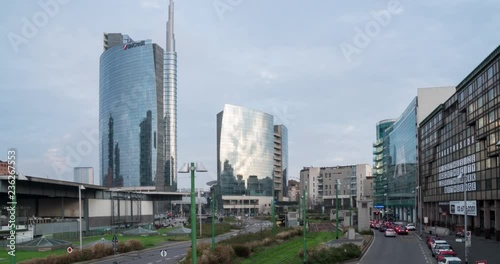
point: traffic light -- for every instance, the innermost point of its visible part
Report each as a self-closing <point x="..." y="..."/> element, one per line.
<point x="377" y="213"/>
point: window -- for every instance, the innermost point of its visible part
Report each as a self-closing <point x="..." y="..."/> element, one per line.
<point x="480" y="102"/>
<point x="480" y="122"/>
<point x="491" y="94"/>
<point x="489" y="73"/>
<point x="493" y="139"/>
<point x="489" y="184"/>
<point x="491" y="117"/>
<point x="479" y="81"/>
<point x="470" y="89"/>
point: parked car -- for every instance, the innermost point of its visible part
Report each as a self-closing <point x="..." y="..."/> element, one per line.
<point x="438" y="247"/>
<point x="390" y="232"/>
<point x="450" y="260"/>
<point x="445" y="253"/>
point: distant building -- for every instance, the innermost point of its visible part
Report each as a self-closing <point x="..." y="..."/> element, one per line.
<point x="84" y="175"/>
<point x="280" y="161"/>
<point x="4" y="168"/>
<point x="321" y="185"/>
<point x="293" y="190"/>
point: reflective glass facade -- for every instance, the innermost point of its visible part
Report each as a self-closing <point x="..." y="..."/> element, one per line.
<point x="397" y="181"/>
<point x="378" y="161"/>
<point x="130" y="115"/>
<point x="460" y="138"/>
<point x="245" y="151"/>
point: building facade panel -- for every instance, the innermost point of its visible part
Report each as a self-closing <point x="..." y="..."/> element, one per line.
<point x="461" y="138"/>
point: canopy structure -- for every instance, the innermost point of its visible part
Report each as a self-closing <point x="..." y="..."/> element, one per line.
<point x="140" y="232"/>
<point x="43" y="244"/>
<point x="179" y="232"/>
<point x="100" y="241"/>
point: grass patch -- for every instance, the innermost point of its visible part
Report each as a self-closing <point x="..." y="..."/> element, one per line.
<point x="244" y="238"/>
<point x="287" y="252"/>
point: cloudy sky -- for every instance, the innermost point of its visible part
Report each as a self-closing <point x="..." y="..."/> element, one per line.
<point x="329" y="70"/>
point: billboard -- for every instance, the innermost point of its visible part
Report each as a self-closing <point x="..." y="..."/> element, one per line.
<point x="458" y="208"/>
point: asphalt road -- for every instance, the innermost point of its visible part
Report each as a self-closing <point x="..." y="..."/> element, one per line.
<point x="177" y="250"/>
<point x="407" y="249"/>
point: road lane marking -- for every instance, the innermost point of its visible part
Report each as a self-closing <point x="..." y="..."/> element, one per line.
<point x="176" y="256"/>
<point x="158" y="260"/>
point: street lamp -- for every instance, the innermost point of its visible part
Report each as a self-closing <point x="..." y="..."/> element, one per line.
<point x="337" y="207"/>
<point x="386" y="207"/>
<point x="213" y="184"/>
<point x="186" y="169"/>
<point x="80" y="188"/>
<point x="464" y="179"/>
<point x="304" y="231"/>
<point x="420" y="209"/>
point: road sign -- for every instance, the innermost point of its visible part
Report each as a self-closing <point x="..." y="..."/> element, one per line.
<point x="163" y="253"/>
<point x="115" y="239"/>
<point x="69" y="250"/>
<point x="468" y="234"/>
<point x="426" y="220"/>
<point x="481" y="262"/>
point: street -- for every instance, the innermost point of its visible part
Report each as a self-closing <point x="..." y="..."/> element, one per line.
<point x="177" y="250"/>
<point x="407" y="249"/>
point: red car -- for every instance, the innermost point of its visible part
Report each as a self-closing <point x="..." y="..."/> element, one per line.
<point x="445" y="253"/>
<point x="401" y="230"/>
<point x="431" y="239"/>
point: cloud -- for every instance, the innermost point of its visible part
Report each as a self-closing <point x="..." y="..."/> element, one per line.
<point x="151" y="4"/>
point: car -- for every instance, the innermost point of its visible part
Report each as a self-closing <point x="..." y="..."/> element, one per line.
<point x="450" y="260"/>
<point x="445" y="253"/>
<point x="382" y="228"/>
<point x="401" y="230"/>
<point x="436" y="242"/>
<point x="411" y="227"/>
<point x="431" y="240"/>
<point x="390" y="232"/>
<point x="377" y="225"/>
<point x="438" y="247"/>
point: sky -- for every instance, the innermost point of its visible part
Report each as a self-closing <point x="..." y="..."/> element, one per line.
<point x="328" y="70"/>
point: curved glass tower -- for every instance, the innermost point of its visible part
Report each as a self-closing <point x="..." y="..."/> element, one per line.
<point x="131" y="133"/>
<point x="245" y="151"/>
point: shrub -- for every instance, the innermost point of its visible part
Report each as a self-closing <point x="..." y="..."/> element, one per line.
<point x="134" y="244"/>
<point x="101" y="250"/>
<point x="242" y="251"/>
<point x="324" y="255"/>
<point x="122" y="247"/>
<point x="366" y="232"/>
<point x="221" y="254"/>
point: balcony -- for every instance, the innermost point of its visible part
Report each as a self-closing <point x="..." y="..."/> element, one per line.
<point x="378" y="142"/>
<point x="378" y="150"/>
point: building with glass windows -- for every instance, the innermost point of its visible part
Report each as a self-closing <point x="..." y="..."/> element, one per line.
<point x="131" y="126"/>
<point x="461" y="138"/>
<point x="280" y="161"/>
<point x="250" y="152"/>
<point x="378" y="161"/>
<point x="396" y="182"/>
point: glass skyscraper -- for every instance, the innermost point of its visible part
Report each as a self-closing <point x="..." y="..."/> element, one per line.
<point x="131" y="123"/>
<point x="245" y="152"/>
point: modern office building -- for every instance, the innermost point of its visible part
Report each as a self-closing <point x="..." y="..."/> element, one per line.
<point x="395" y="186"/>
<point x="280" y="161"/>
<point x="84" y="175"/>
<point x="170" y="102"/>
<point x="378" y="162"/>
<point x="461" y="138"/>
<point x="248" y="158"/>
<point x="131" y="127"/>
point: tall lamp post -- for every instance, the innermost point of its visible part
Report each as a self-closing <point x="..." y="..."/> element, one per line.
<point x="337" y="207"/>
<point x="213" y="185"/>
<point x="467" y="242"/>
<point x="386" y="211"/>
<point x="186" y="169"/>
<point x="304" y="232"/>
<point x="80" y="188"/>
<point x="420" y="209"/>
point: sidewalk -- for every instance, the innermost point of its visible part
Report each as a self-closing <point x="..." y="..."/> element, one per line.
<point x="481" y="248"/>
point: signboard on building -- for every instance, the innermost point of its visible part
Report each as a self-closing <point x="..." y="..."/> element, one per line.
<point x="458" y="208"/>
